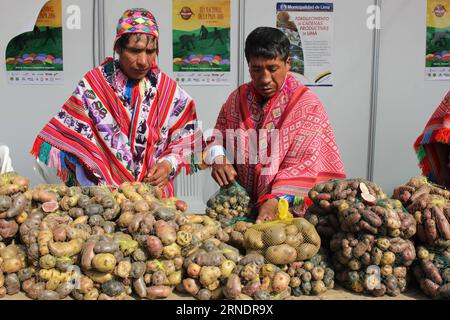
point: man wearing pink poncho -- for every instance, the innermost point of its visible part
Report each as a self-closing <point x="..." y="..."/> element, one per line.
<point x="273" y="135"/>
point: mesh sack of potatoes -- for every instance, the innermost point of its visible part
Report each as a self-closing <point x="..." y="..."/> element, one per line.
<point x="429" y="204"/>
<point x="229" y="203"/>
<point x="311" y="277"/>
<point x="376" y="265"/>
<point x="432" y="271"/>
<point x="386" y="217"/>
<point x="252" y="278"/>
<point x="336" y="196"/>
<point x="283" y="241"/>
<point x="207" y="269"/>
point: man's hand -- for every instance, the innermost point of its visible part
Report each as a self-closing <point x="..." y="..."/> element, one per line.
<point x="159" y="174"/>
<point x="268" y="211"/>
<point x="222" y="171"/>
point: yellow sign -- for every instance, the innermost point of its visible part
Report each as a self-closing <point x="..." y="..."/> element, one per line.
<point x="192" y="14"/>
<point x="50" y="15"/>
<point x="438" y="13"/>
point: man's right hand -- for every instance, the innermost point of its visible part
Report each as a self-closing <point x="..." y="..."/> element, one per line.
<point x="222" y="171"/>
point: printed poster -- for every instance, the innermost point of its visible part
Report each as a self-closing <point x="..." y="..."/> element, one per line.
<point x="309" y="27"/>
<point x="201" y="42"/>
<point x="36" y="57"/>
<point x="438" y="40"/>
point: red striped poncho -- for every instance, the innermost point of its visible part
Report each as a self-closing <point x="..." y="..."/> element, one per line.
<point x="117" y="129"/>
<point x="307" y="152"/>
<point x="437" y="130"/>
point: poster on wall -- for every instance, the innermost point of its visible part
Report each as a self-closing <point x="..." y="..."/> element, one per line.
<point x="36" y="57"/>
<point x="438" y="40"/>
<point x="201" y="42"/>
<point x="309" y="27"/>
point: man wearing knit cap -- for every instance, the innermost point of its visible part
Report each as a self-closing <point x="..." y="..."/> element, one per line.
<point x="126" y="120"/>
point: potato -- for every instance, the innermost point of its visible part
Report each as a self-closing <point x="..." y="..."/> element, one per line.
<point x="175" y="278"/>
<point x="139" y="287"/>
<point x="209" y="275"/>
<point x="281" y="254"/>
<point x="12" y="284"/>
<point x="48" y="295"/>
<point x="294" y="240"/>
<point x="184" y="238"/>
<point x="154" y="246"/>
<point x="252" y="257"/>
<point x="210" y="259"/>
<point x="191" y="286"/>
<point x="193" y="270"/>
<point x="158" y="292"/>
<point x="227" y="268"/>
<point x="318" y="287"/>
<point x="250" y="272"/>
<point x="106" y="247"/>
<point x="159" y="278"/>
<point x="280" y="281"/>
<point x="86" y="284"/>
<point x="386" y="270"/>
<point x="388" y="258"/>
<point x="204" y="294"/>
<point x="65" y="249"/>
<point x="12" y="265"/>
<point x="291" y="230"/>
<point x="306" y="251"/>
<point x="165" y="232"/>
<point x="274" y="235"/>
<point x="92" y="295"/>
<point x="233" y="287"/>
<point x="99" y="277"/>
<point x="171" y="251"/>
<point x="113" y="288"/>
<point x="318" y="273"/>
<point x="104" y="262"/>
<point x="254" y="239"/>
<point x="123" y="269"/>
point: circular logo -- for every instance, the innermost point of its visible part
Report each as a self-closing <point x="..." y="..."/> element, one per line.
<point x="440" y="10"/>
<point x="283" y="7"/>
<point x="186" y="13"/>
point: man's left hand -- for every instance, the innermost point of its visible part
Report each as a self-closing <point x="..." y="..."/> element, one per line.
<point x="268" y="211"/>
<point x="159" y="174"/>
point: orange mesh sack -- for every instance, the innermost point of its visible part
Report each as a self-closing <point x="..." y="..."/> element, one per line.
<point x="283" y="241"/>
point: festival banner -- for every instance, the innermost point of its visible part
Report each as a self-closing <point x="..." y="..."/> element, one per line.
<point x="36" y="57"/>
<point x="201" y="42"/>
<point x="438" y="40"/>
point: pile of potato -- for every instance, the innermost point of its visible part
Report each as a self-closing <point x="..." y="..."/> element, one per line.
<point x="311" y="277"/>
<point x="228" y="204"/>
<point x="432" y="272"/>
<point x="92" y="243"/>
<point x="431" y="209"/>
<point x="14" y="204"/>
<point x="377" y="265"/>
<point x="283" y="242"/>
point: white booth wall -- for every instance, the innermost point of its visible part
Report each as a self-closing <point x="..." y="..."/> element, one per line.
<point x="405" y="99"/>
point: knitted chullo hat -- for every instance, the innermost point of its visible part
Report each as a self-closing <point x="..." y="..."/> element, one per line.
<point x="135" y="21"/>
